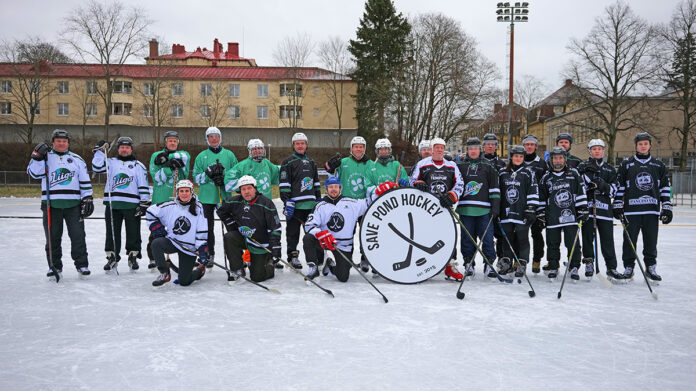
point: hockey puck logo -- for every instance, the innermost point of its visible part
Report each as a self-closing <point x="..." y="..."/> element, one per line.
<point x="398" y="238"/>
<point x="566" y="216"/>
<point x="563" y="198"/>
<point x="181" y="225"/>
<point x="336" y="222"/>
<point x="512" y="195"/>
<point x="644" y="181"/>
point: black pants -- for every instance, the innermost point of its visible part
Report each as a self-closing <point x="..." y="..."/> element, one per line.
<point x="518" y="235"/>
<point x="605" y="235"/>
<point x="76" y="232"/>
<point x="161" y="246"/>
<point x="293" y="228"/>
<point x="133" y="241"/>
<point x="312" y="250"/>
<point x="537" y="240"/>
<point x="553" y="240"/>
<point x="341" y="270"/>
<point x="261" y="267"/>
<point x="209" y="213"/>
<point x="648" y="225"/>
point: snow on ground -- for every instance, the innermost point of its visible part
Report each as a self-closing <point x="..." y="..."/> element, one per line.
<point x="115" y="333"/>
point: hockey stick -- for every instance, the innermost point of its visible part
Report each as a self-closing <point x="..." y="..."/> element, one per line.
<point x="460" y="294"/>
<point x="570" y="257"/>
<point x="176" y="177"/>
<point x="111" y="209"/>
<point x="430" y="250"/>
<point x="633" y="246"/>
<point x="407" y="262"/>
<point x="362" y="274"/>
<point x="531" y="293"/>
<point x="601" y="278"/>
<point x="48" y="224"/>
<point x="247" y="279"/>
<point x="290" y="267"/>
<point x="497" y="275"/>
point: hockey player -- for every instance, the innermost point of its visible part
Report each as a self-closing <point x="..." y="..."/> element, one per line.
<point x="565" y="140"/>
<point x="478" y="205"/>
<point x="562" y="205"/>
<point x="490" y="147"/>
<point x="251" y="220"/>
<point x="71" y="199"/>
<point x="643" y="187"/>
<point x="537" y="166"/>
<point x="424" y="150"/>
<point x="386" y="169"/>
<point x="331" y="226"/>
<point x="300" y="190"/>
<point x="519" y="201"/>
<point x="600" y="182"/>
<point x="257" y="166"/>
<point x="166" y="168"/>
<point x="443" y="179"/>
<point x="209" y="171"/>
<point x="126" y="197"/>
<point x="179" y="227"/>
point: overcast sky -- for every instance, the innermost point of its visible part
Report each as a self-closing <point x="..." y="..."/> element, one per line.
<point x="540" y="45"/>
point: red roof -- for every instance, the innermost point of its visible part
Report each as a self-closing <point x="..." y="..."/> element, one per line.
<point x="178" y="72"/>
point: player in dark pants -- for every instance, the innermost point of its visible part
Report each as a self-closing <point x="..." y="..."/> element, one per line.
<point x="537" y="166"/>
<point x="490" y="155"/>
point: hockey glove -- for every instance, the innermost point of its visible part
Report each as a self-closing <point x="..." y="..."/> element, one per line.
<point x="86" y="207"/>
<point x="541" y="218"/>
<point x="420" y="185"/>
<point x="162" y="158"/>
<point x="101" y="145"/>
<point x="529" y="216"/>
<point x="582" y="214"/>
<point x="403" y="182"/>
<point x="618" y="210"/>
<point x="384" y="186"/>
<point x="141" y="208"/>
<point x="175" y="163"/>
<point x="203" y="254"/>
<point x="495" y="208"/>
<point x="326" y="240"/>
<point x="157" y="229"/>
<point x="333" y="163"/>
<point x="40" y="152"/>
<point x="448" y="199"/>
<point x="289" y="209"/>
<point x="666" y="213"/>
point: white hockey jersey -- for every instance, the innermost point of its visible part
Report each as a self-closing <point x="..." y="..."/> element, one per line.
<point x="127" y="180"/>
<point x="186" y="231"/>
<point x="67" y="175"/>
<point x="340" y="217"/>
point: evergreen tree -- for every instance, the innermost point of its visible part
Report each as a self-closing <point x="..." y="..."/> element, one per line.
<point x="682" y="79"/>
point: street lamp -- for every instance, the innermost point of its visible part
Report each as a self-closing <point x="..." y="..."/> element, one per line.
<point x="509" y="13"/>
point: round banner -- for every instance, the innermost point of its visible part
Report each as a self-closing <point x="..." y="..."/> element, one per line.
<point x="407" y="236"/>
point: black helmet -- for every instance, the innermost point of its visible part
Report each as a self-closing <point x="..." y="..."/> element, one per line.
<point x="473" y="141"/>
<point x="125" y="141"/>
<point x="564" y="136"/>
<point x="490" y="137"/>
<point x="642" y="136"/>
<point x="558" y="151"/>
<point x="517" y="150"/>
<point x="60" y="133"/>
<point x="170" y="133"/>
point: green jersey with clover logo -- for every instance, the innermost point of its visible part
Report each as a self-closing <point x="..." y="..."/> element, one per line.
<point x="388" y="172"/>
<point x="265" y="173"/>
<point x="163" y="176"/>
<point x="208" y="193"/>
<point x="356" y="177"/>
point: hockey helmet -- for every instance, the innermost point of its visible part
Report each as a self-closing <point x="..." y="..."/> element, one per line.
<point x="596" y="142"/>
<point x="564" y="136"/>
<point x="490" y="138"/>
<point x="246" y="180"/>
<point x="530" y="138"/>
<point x="184" y="183"/>
<point x="517" y="150"/>
<point x="60" y="133"/>
<point x="299" y="137"/>
<point x="383" y="143"/>
<point x="170" y="133"/>
<point x="358" y="140"/>
<point x="642" y="136"/>
<point x="256" y="143"/>
<point x="125" y="140"/>
<point x="332" y="180"/>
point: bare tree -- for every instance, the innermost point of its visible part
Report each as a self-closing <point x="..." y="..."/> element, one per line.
<point x="615" y="63"/>
<point x="529" y="91"/>
<point x="87" y="101"/>
<point x="31" y="63"/>
<point x="217" y="104"/>
<point x="334" y="56"/>
<point x="293" y="53"/>
<point x="109" y="34"/>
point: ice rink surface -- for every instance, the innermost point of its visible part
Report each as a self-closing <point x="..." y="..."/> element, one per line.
<point x="117" y="333"/>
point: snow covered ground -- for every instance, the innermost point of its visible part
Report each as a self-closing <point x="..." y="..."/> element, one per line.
<point x="115" y="333"/>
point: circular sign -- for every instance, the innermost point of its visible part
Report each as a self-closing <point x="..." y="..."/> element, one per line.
<point x="407" y="236"/>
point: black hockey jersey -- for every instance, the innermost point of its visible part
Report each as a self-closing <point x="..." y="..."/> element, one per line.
<point x="439" y="178"/>
<point x="643" y="185"/>
<point x="481" y="191"/>
<point x="561" y="194"/>
<point x="299" y="181"/>
<point x="495" y="161"/>
<point x="589" y="170"/>
<point x="536" y="165"/>
<point x="518" y="194"/>
<point x="572" y="161"/>
<point x="257" y="219"/>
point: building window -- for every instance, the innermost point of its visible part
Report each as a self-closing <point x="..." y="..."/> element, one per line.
<point x="123" y="87"/>
<point x="316" y="90"/>
<point x="37" y="109"/>
<point x="91" y="110"/>
<point x="286" y="111"/>
<point x="63" y="87"/>
<point x="91" y="87"/>
<point x="5" y="108"/>
<point x="35" y="87"/>
<point x="206" y="89"/>
<point x="316" y="112"/>
<point x="233" y="112"/>
<point x="63" y="109"/>
<point x="178" y="111"/>
<point x="290" y="90"/>
<point x="148" y="110"/>
<point x="262" y="112"/>
<point x="234" y="90"/>
<point x="121" y="108"/>
<point x="262" y="90"/>
<point x="6" y="87"/>
<point x="205" y="111"/>
<point x="177" y="89"/>
<point x="148" y="89"/>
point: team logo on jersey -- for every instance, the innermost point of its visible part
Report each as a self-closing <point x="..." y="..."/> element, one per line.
<point x="438" y="187"/>
<point x="121" y="181"/>
<point x="61" y="176"/>
<point x="644" y="181"/>
<point x="306" y="183"/>
<point x="472" y="188"/>
<point x="181" y="225"/>
<point x="356" y="181"/>
<point x="563" y="198"/>
<point x="512" y="195"/>
<point x="283" y="175"/>
<point x="336" y="222"/>
<point x="247" y="232"/>
<point x="264" y="183"/>
<point x="567" y="216"/>
<point x="398" y="238"/>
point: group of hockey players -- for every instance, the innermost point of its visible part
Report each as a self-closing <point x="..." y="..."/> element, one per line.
<point x="496" y="203"/>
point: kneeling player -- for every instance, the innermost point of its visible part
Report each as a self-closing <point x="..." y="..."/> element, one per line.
<point x="179" y="227"/>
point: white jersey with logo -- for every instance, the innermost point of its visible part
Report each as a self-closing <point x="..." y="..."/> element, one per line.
<point x="186" y="231"/>
<point x="67" y="175"/>
<point x="127" y="180"/>
<point x="339" y="217"/>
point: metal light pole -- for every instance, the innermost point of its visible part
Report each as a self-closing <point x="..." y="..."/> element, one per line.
<point x="510" y="14"/>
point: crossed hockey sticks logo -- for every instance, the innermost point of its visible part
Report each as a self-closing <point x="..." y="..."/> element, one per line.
<point x="411" y="243"/>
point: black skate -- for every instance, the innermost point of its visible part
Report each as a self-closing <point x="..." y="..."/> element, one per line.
<point x="552" y="274"/>
<point x="294" y="260"/>
<point x="83" y="271"/>
<point x="574" y="274"/>
<point x="364" y="265"/>
<point x="488" y="271"/>
<point x="615" y="277"/>
<point x="628" y="273"/>
<point x="111" y="261"/>
<point x="313" y="271"/>
<point x="505" y="266"/>
<point x="198" y="271"/>
<point x="234" y="276"/>
<point x="652" y="275"/>
<point x="133" y="260"/>
<point x="521" y="268"/>
<point x="162" y="279"/>
<point x="53" y="276"/>
<point x="327" y="267"/>
<point x="589" y="267"/>
<point x="535" y="266"/>
<point x="152" y="266"/>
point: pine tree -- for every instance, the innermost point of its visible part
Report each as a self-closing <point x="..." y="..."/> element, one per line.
<point x="682" y="79"/>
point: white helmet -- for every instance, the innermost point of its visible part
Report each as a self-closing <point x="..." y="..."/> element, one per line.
<point x="246" y="180"/>
<point x="256" y="143"/>
<point x="212" y="130"/>
<point x="423" y="144"/>
<point x="437" y="141"/>
<point x="383" y="143"/>
<point x="184" y="183"/>
<point x="595" y="142"/>
<point x="299" y="137"/>
<point x="358" y="140"/>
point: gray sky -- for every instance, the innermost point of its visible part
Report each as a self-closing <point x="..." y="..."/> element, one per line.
<point x="540" y="45"/>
